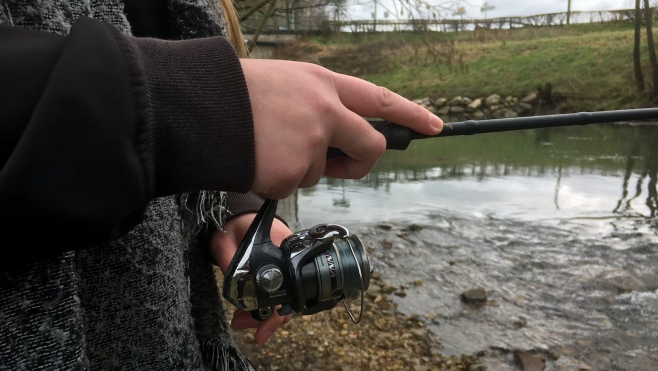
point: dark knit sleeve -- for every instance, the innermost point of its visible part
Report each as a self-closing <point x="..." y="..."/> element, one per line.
<point x="198" y="114"/>
<point x="96" y="124"/>
<point x="243" y="203"/>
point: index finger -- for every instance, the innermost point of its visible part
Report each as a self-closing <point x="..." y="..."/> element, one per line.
<point x="370" y="100"/>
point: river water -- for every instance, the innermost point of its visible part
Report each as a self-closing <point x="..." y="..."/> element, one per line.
<point x="558" y="226"/>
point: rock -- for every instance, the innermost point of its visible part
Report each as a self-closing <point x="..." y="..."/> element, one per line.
<point x="522" y="107"/>
<point x="528" y="361"/>
<point x="444" y="111"/>
<point x="425" y="102"/>
<point x="493" y="106"/>
<point x="520" y="322"/>
<point x="457" y="101"/>
<point x="474" y="296"/>
<point x="477" y="115"/>
<point x="492" y="100"/>
<point x="504" y="113"/>
<point x="414" y="227"/>
<point x="386" y="227"/>
<point x="618" y="284"/>
<point x="440" y="102"/>
<point x="625" y="284"/>
<point x="457" y="109"/>
<point x="570" y="364"/>
<point x="510" y="101"/>
<point x="530" y="98"/>
<point x="475" y="105"/>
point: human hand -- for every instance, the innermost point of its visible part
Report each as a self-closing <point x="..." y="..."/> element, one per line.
<point x="223" y="246"/>
<point x="301" y="109"/>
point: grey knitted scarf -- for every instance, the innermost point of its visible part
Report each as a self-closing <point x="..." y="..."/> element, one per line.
<point x="147" y="301"/>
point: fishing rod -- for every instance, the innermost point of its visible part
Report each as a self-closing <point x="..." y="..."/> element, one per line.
<point x="399" y="137"/>
<point x="314" y="269"/>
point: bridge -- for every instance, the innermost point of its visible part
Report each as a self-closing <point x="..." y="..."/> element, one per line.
<point x="266" y="44"/>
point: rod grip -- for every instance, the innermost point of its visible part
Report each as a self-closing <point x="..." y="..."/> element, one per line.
<point x="397" y="137"/>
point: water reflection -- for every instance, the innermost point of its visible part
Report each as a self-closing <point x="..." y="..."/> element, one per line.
<point x="557" y="225"/>
<point x="548" y="173"/>
<point x="644" y="142"/>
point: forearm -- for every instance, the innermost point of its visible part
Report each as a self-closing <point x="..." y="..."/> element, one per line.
<point x="96" y="124"/>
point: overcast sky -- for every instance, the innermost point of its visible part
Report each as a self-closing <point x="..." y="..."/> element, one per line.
<point x="502" y="7"/>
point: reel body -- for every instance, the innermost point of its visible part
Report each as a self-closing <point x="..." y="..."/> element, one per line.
<point x="313" y="269"/>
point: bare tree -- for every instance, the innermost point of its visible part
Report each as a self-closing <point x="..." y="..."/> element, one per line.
<point x="637" y="64"/>
<point x="283" y="14"/>
<point x="651" y="47"/>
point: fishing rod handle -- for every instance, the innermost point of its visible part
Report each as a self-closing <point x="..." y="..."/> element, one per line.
<point x="397" y="137"/>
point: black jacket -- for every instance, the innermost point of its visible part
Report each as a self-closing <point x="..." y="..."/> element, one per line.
<point x="96" y="124"/>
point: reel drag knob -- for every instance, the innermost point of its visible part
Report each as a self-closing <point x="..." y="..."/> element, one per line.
<point x="269" y="278"/>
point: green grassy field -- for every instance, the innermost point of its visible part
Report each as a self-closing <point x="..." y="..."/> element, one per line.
<point x="590" y="65"/>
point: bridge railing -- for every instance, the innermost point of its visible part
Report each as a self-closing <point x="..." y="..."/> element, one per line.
<point x="316" y="25"/>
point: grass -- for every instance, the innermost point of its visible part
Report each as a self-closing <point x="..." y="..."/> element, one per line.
<point x="590" y="65"/>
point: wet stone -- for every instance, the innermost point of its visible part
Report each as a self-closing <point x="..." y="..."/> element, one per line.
<point x="528" y="361"/>
<point x="520" y="322"/>
<point x="570" y="364"/>
<point x="474" y="296"/>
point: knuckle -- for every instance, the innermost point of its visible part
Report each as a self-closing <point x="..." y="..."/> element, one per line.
<point x="282" y="183"/>
<point x="315" y="70"/>
<point x="379" y="146"/>
<point x="420" y="114"/>
<point x="385" y="98"/>
<point x="291" y="175"/>
<point x="314" y="137"/>
<point x="324" y="107"/>
<point x="376" y="145"/>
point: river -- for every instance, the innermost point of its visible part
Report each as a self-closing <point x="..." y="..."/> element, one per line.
<point x="558" y="226"/>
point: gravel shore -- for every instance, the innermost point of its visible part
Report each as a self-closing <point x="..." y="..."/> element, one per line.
<point x="384" y="340"/>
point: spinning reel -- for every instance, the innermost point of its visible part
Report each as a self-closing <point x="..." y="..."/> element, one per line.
<point x="313" y="269"/>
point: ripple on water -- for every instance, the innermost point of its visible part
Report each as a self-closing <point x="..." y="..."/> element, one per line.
<point x="548" y="286"/>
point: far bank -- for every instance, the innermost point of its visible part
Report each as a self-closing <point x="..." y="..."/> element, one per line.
<point x="588" y="66"/>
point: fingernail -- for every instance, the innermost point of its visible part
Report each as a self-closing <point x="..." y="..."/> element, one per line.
<point x="264" y="338"/>
<point x="436" y="122"/>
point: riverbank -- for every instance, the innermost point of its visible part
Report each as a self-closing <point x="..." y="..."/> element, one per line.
<point x="505" y="296"/>
<point x="589" y="66"/>
<point x="384" y="340"/>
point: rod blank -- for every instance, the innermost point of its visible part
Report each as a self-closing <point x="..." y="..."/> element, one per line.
<point x="399" y="137"/>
